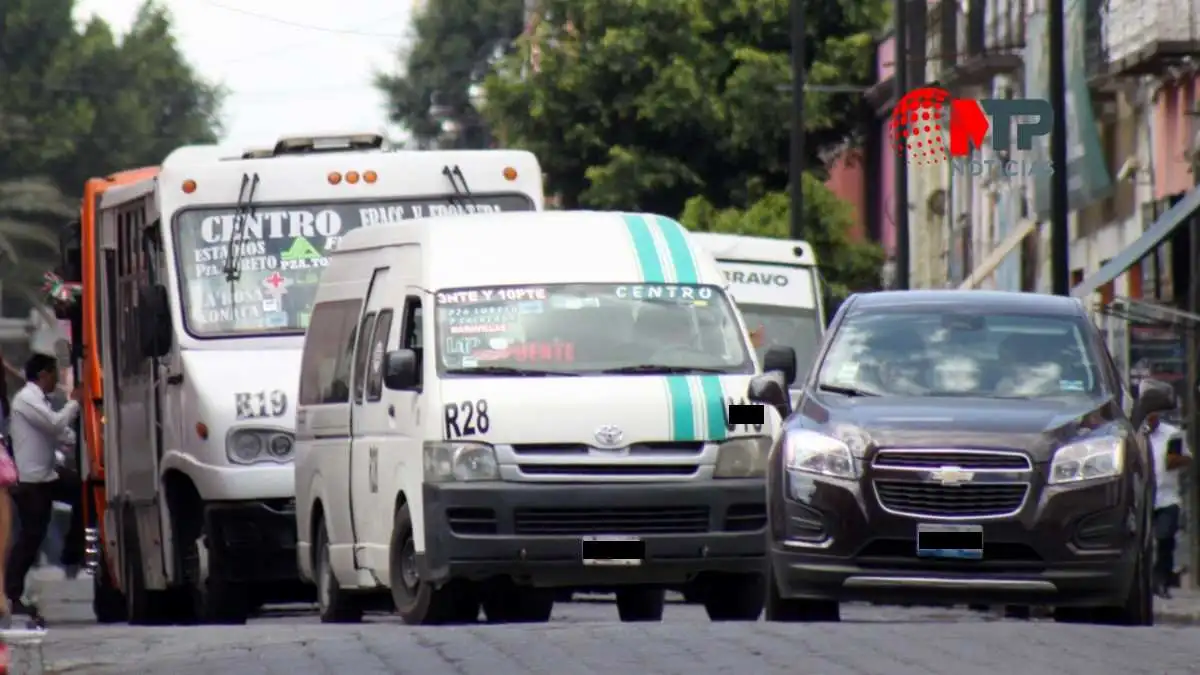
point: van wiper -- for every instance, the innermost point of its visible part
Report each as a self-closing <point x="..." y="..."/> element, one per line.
<point x="243" y="210"/>
<point x="508" y="370"/>
<point x="845" y="391"/>
<point x="654" y="369"/>
<point x="463" y="192"/>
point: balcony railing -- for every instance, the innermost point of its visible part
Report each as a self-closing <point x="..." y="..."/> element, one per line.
<point x="1137" y="31"/>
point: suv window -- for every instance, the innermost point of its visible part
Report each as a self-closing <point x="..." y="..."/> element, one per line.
<point x="328" y="353"/>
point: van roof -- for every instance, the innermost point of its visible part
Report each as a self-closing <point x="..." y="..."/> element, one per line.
<point x="544" y="247"/>
<point x="757" y="249"/>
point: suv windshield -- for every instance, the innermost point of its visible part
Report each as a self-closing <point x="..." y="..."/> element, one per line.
<point x="935" y="353"/>
<point x="281" y="254"/>
<point x="589" y="328"/>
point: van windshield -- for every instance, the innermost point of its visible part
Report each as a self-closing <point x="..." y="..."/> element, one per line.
<point x="281" y="254"/>
<point x="780" y="303"/>
<point x="572" y="329"/>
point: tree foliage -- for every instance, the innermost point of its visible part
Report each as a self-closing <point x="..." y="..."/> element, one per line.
<point x="454" y="43"/>
<point x="78" y="104"/>
<point x="652" y="104"/>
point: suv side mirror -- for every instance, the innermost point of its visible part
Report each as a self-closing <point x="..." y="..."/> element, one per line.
<point x="154" y="321"/>
<point x="400" y="370"/>
<point x="1155" y="396"/>
<point x="771" y="389"/>
<point x="781" y="359"/>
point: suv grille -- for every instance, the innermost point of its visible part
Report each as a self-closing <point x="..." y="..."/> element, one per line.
<point x="981" y="500"/>
<point x="976" y="460"/>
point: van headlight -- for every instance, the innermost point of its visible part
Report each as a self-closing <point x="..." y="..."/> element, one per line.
<point x="742" y="458"/>
<point x="1088" y="460"/>
<point x="450" y="462"/>
<point x="811" y="452"/>
<point x="254" y="446"/>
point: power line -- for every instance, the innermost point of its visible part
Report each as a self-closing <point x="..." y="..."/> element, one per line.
<point x="307" y="44"/>
<point x="304" y="26"/>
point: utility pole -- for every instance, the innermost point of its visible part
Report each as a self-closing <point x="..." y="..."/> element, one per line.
<point x="900" y="190"/>
<point x="796" y="161"/>
<point x="1060" y="252"/>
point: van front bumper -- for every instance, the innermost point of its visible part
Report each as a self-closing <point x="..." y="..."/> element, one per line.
<point x="534" y="532"/>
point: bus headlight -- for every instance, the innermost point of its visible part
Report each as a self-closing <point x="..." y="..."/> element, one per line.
<point x="742" y="458"/>
<point x="254" y="446"/>
<point x="450" y="462"/>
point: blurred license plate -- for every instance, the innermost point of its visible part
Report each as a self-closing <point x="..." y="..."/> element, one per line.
<point x="613" y="550"/>
<point x="958" y="542"/>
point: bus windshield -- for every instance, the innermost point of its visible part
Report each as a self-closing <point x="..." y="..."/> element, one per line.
<point x="280" y="254"/>
<point x="572" y="329"/>
<point x="779" y="303"/>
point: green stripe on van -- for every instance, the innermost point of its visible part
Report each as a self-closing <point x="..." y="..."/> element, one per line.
<point x="683" y="415"/>
<point x="643" y="246"/>
<point x="677" y="245"/>
<point x="714" y="402"/>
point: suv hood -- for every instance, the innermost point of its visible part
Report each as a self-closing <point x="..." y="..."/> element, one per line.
<point x="1037" y="426"/>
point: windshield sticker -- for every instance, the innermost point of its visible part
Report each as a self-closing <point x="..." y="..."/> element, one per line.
<point x="468" y="362"/>
<point x="487" y="314"/>
<point x="471" y="329"/>
<point x="490" y="295"/>
<point x="300" y="249"/>
<point x="461" y="345"/>
<point x="531" y="307"/>
<point x="556" y="351"/>
<point x="665" y="292"/>
<point x="1071" y="385"/>
<point x="276" y="284"/>
<point x="272" y="304"/>
<point x="275" y="319"/>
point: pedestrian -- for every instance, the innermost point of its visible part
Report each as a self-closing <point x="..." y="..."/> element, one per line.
<point x="36" y="432"/>
<point x="1170" y="457"/>
<point x="8" y="478"/>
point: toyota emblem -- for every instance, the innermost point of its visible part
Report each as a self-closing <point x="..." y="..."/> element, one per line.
<point x="609" y="436"/>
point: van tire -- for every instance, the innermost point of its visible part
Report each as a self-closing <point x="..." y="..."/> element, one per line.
<point x="335" y="605"/>
<point x="641" y="603"/>
<point x="734" y="597"/>
<point x="417" y="602"/>
<point x="506" y="602"/>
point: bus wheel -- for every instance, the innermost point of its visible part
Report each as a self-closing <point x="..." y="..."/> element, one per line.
<point x="418" y="602"/>
<point x="108" y="602"/>
<point x="215" y="600"/>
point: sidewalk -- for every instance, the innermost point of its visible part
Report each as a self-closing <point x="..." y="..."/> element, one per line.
<point x="1182" y="608"/>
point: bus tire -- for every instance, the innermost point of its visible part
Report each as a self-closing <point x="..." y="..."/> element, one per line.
<point x="417" y="602"/>
<point x="108" y="602"/>
<point x="214" y="600"/>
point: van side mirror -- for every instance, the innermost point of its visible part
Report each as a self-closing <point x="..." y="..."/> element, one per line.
<point x="783" y="360"/>
<point x="1155" y="396"/>
<point x="154" y="321"/>
<point x="400" y="370"/>
<point x="771" y="389"/>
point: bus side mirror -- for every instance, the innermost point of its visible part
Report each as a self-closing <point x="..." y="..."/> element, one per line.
<point x="154" y="321"/>
<point x="400" y="370"/>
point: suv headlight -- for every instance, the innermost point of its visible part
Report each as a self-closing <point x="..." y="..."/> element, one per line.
<point x="449" y="462"/>
<point x="742" y="458"/>
<point x="254" y="446"/>
<point x="1088" y="460"/>
<point x="811" y="452"/>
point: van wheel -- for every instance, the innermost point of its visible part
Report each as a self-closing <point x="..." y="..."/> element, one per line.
<point x="641" y="603"/>
<point x="418" y="602"/>
<point x="779" y="608"/>
<point x="336" y="606"/>
<point x="734" y="597"/>
<point x="506" y="602"/>
<point x="108" y="602"/>
<point x="214" y="600"/>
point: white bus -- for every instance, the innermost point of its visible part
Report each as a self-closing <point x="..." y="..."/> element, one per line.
<point x="206" y="278"/>
<point x="777" y="287"/>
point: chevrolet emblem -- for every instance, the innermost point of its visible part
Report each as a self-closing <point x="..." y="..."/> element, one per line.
<point x="952" y="475"/>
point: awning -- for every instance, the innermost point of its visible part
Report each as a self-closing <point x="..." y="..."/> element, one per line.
<point x="1142" y="246"/>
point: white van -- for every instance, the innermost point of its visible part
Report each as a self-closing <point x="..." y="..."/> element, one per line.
<point x="497" y="408"/>
<point x="776" y="284"/>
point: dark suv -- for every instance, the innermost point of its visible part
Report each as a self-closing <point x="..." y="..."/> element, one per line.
<point x="961" y="447"/>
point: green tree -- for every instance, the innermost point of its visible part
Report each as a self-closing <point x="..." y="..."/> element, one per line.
<point x="31" y="212"/>
<point x="454" y="43"/>
<point x="647" y="104"/>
